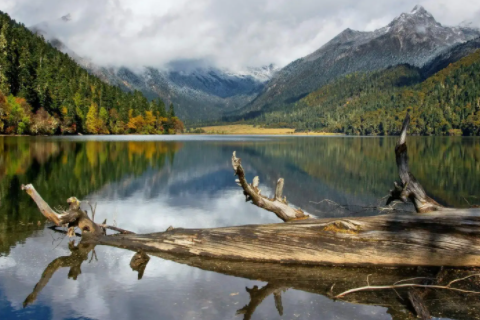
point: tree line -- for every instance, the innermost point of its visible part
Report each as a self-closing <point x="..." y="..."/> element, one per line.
<point x="44" y="91"/>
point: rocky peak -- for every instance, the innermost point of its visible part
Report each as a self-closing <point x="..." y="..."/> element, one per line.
<point x="419" y="10"/>
<point x="418" y="17"/>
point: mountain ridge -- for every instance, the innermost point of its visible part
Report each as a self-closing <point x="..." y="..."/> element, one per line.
<point x="413" y="38"/>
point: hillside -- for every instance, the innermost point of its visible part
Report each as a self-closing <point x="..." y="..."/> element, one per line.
<point x="445" y="103"/>
<point x="413" y="38"/>
<point x="44" y="91"/>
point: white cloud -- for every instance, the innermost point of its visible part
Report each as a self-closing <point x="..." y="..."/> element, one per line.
<point x="231" y="34"/>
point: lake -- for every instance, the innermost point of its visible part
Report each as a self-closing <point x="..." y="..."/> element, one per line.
<point x="148" y="183"/>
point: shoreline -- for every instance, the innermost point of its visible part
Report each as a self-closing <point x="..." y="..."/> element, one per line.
<point x="243" y="129"/>
<point x="263" y="134"/>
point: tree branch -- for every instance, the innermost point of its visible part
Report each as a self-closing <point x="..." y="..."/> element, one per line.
<point x="413" y="285"/>
<point x="252" y="193"/>
<point x="42" y="205"/>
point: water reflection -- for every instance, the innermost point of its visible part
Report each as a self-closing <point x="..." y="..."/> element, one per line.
<point x="147" y="185"/>
<point x="281" y="282"/>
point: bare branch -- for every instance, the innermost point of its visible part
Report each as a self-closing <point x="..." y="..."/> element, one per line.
<point x="93" y="208"/>
<point x="42" y="205"/>
<point x="412" y="285"/>
<point x="252" y="193"/>
<point x="73" y="217"/>
<point x="122" y="231"/>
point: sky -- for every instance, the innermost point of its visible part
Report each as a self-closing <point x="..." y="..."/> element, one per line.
<point x="228" y="34"/>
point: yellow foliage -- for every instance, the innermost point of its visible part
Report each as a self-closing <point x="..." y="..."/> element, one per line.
<point x="136" y="124"/>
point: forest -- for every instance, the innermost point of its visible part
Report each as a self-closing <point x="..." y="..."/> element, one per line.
<point x="374" y="103"/>
<point x="44" y="92"/>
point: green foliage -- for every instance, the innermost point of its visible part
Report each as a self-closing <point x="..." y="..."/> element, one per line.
<point x="447" y="103"/>
<point x="46" y="79"/>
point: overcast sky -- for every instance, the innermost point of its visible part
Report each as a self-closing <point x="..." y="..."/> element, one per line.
<point x="224" y="33"/>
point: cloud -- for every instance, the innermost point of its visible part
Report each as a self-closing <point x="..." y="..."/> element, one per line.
<point x="233" y="34"/>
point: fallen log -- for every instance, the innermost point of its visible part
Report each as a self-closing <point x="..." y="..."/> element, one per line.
<point x="436" y="236"/>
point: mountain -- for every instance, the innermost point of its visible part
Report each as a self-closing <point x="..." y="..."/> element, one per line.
<point x="441" y="102"/>
<point x="202" y="93"/>
<point x="198" y="94"/>
<point x="413" y="38"/>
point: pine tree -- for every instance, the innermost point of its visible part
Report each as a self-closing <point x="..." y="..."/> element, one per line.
<point x="4" y="83"/>
<point x="161" y="108"/>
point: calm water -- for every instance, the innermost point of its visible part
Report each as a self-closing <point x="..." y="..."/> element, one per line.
<point x="146" y="184"/>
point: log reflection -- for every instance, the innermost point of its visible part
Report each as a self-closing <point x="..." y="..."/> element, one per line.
<point x="74" y="261"/>
<point x="139" y="263"/>
<point x="329" y="281"/>
<point x="78" y="254"/>
<point x="325" y="281"/>
<point x="258" y="295"/>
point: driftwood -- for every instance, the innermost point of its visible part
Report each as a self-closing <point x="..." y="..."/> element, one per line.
<point x="435" y="236"/>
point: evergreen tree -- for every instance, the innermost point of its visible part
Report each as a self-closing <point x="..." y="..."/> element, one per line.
<point x="161" y="108"/>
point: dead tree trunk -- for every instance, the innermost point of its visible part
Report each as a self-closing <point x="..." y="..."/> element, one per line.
<point x="409" y="187"/>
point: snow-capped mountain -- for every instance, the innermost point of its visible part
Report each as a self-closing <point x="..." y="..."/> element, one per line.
<point x="198" y="94"/>
<point x="413" y="38"/>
